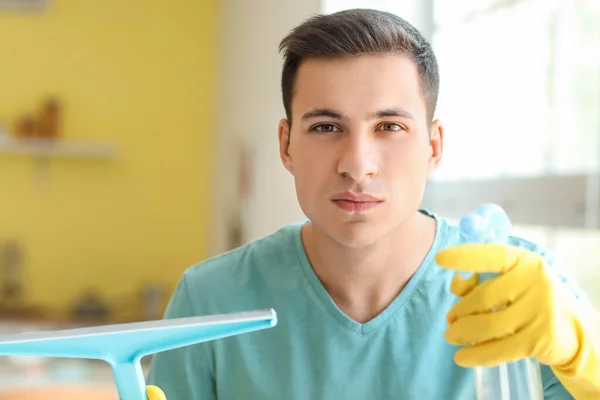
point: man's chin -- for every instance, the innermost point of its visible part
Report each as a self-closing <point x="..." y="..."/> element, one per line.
<point x="351" y="234"/>
<point x="356" y="237"/>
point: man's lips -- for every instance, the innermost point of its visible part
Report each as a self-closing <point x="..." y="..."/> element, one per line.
<point x="356" y="197"/>
<point x="356" y="202"/>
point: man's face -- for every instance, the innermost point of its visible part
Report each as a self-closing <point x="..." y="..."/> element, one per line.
<point x="360" y="146"/>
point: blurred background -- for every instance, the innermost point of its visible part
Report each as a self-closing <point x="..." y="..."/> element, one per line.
<point x="140" y="137"/>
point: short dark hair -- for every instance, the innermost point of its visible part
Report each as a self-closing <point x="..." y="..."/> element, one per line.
<point x="353" y="32"/>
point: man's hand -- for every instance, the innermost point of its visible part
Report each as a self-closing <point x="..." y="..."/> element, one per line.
<point x="524" y="312"/>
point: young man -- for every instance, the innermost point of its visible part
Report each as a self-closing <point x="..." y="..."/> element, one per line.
<point x="367" y="303"/>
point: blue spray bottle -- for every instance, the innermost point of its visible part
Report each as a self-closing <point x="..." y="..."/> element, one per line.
<point x="519" y="380"/>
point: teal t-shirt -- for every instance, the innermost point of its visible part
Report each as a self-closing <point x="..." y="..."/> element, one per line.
<point x="316" y="352"/>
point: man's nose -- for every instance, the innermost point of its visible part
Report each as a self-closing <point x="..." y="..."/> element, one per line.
<point x="358" y="157"/>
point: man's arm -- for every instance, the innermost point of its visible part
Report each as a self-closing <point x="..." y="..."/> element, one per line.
<point x="184" y="373"/>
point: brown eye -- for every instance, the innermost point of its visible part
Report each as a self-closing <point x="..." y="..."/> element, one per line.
<point x="389" y="126"/>
<point x="325" y="128"/>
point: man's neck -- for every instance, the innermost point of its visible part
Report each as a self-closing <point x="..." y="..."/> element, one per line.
<point x="363" y="282"/>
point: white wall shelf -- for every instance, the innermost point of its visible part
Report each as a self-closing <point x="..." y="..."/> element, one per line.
<point x="58" y="148"/>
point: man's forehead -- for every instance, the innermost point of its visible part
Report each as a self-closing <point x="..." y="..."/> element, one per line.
<point x="366" y="83"/>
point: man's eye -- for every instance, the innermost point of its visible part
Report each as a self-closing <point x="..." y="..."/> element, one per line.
<point x="325" y="128"/>
<point x="388" y="126"/>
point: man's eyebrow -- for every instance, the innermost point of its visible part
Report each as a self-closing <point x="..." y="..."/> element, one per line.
<point x="323" y="112"/>
<point x="391" y="112"/>
<point x="383" y="113"/>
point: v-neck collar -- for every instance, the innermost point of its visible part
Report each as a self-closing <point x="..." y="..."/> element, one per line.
<point x="329" y="305"/>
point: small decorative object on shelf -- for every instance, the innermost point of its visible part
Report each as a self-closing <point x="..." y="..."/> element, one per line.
<point x="40" y="135"/>
<point x="26" y="127"/>
<point x="46" y="125"/>
<point x="49" y="120"/>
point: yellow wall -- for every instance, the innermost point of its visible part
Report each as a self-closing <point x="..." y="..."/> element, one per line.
<point x="139" y="73"/>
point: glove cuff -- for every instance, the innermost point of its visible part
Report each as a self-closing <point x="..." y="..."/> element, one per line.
<point x="581" y="375"/>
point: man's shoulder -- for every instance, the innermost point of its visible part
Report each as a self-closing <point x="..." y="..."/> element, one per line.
<point x="452" y="235"/>
<point x="532" y="246"/>
<point x="255" y="256"/>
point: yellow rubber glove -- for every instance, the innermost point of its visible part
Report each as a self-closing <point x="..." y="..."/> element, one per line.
<point x="154" y="393"/>
<point x="536" y="316"/>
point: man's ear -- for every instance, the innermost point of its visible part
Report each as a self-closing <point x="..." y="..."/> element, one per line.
<point x="436" y="146"/>
<point x="284" y="144"/>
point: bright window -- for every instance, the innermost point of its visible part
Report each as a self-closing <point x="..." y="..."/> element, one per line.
<point x="520" y="88"/>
